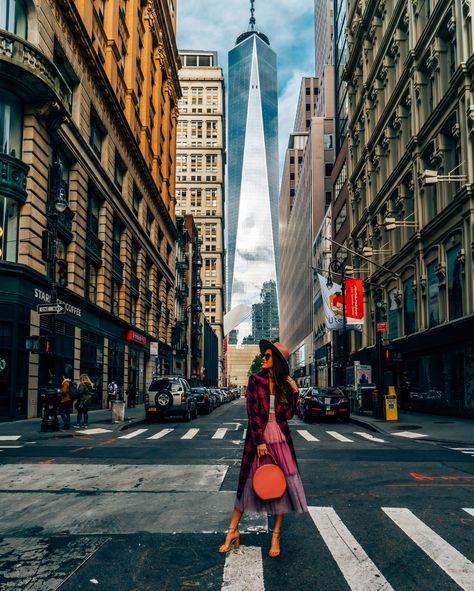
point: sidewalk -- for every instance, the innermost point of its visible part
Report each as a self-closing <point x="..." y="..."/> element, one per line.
<point x="438" y="428"/>
<point x="29" y="429"/>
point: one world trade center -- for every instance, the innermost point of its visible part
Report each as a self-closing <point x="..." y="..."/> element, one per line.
<point x="252" y="222"/>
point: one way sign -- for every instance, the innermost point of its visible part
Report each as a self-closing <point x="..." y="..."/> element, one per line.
<point x="51" y="308"/>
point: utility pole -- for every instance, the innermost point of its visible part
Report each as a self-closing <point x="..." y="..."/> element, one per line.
<point x="380" y="320"/>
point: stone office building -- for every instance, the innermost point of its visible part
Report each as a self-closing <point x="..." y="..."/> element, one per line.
<point x="409" y="74"/>
<point x="88" y="111"/>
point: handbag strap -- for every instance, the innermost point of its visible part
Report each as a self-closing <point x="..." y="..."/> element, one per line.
<point x="269" y="453"/>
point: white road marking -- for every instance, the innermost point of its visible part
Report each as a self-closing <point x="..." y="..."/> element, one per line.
<point x="220" y="433"/>
<point x="245" y="434"/>
<point x="307" y="435"/>
<point x="133" y="434"/>
<point x="359" y="571"/>
<point x="97" y="431"/>
<point x="469" y="453"/>
<point x="369" y="437"/>
<point x="161" y="434"/>
<point x="409" y="434"/>
<point x="9" y="437"/>
<point x="463" y="448"/>
<point x="243" y="570"/>
<point x="340" y="437"/>
<point x="454" y="564"/>
<point x="11" y="446"/>
<point x="470" y="511"/>
<point x="190" y="434"/>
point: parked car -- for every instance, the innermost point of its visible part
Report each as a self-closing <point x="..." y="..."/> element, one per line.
<point x="325" y="402"/>
<point x="301" y="396"/>
<point x="204" y="400"/>
<point x="167" y="396"/>
<point x="218" y="395"/>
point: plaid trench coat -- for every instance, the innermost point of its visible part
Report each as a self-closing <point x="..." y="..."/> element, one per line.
<point x="258" y="408"/>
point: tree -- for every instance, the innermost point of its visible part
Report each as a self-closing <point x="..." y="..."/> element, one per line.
<point x="256" y="365"/>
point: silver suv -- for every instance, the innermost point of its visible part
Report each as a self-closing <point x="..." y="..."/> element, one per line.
<point x="167" y="396"/>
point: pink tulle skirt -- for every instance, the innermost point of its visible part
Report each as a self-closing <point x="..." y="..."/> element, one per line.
<point x="294" y="498"/>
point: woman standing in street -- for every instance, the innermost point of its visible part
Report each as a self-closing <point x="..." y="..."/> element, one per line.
<point x="271" y="402"/>
<point x="84" y="398"/>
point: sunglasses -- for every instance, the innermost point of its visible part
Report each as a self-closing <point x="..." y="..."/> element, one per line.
<point x="266" y="356"/>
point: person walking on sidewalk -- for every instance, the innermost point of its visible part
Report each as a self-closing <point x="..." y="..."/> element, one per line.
<point x="84" y="398"/>
<point x="112" y="392"/>
<point x="271" y="402"/>
<point x="132" y="396"/>
<point x="65" y="403"/>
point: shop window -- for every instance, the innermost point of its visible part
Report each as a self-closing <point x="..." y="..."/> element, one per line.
<point x="409" y="307"/>
<point x="92" y="362"/>
<point x="433" y="295"/>
<point x="455" y="283"/>
<point x="115" y="362"/>
<point x="9" y="219"/>
<point x="11" y="124"/>
<point x="14" y="17"/>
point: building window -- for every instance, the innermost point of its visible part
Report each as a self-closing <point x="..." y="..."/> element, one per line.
<point x="196" y="96"/>
<point x="308" y="106"/>
<point x="116" y="239"/>
<point x="455" y="283"/>
<point x="61" y="62"/>
<point x="328" y="169"/>
<point x="101" y="10"/>
<point x="91" y="282"/>
<point x="11" y="124"/>
<point x="196" y="130"/>
<point x="433" y="294"/>
<point x="196" y="162"/>
<point x="340" y="181"/>
<point x="93" y="212"/>
<point x="292" y="159"/>
<point x="134" y="258"/>
<point x="328" y="141"/>
<point x="392" y="315"/>
<point x="136" y="198"/>
<point x="308" y="91"/>
<point x="14" y="17"/>
<point x="97" y="133"/>
<point x="119" y="172"/>
<point x="408" y="306"/>
<point x="9" y="220"/>
<point x="340" y="218"/>
<point x="149" y="222"/>
<point x="115" y="298"/>
<point x="308" y="123"/>
<point x="211" y="162"/>
<point x="328" y="198"/>
<point x="133" y="311"/>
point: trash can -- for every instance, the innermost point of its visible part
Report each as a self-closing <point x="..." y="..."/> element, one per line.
<point x="118" y="411"/>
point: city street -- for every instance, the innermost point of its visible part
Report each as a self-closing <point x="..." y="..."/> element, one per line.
<point x="146" y="508"/>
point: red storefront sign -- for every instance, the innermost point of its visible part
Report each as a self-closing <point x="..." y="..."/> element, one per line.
<point x="135" y="337"/>
<point x="381" y="327"/>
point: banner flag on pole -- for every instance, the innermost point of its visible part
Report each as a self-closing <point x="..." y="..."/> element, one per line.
<point x="333" y="309"/>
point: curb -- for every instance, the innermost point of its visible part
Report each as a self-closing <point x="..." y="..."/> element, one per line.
<point x="366" y="424"/>
<point x="132" y="423"/>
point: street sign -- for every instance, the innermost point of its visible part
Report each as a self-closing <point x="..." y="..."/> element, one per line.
<point x="51" y="308"/>
<point x="381" y="327"/>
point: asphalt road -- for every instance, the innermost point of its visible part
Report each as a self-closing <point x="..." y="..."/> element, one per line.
<point x="145" y="510"/>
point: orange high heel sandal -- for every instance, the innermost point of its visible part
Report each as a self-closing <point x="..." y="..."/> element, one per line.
<point x="234" y="540"/>
<point x="275" y="546"/>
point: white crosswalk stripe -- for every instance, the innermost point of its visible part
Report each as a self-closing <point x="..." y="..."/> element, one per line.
<point x="454" y="564"/>
<point x="340" y="437"/>
<point x="464" y="450"/>
<point x="359" y="571"/>
<point x="245" y="434"/>
<point x="161" y="434"/>
<point x="307" y="435"/>
<point x="10" y="437"/>
<point x="470" y="511"/>
<point x="190" y="434"/>
<point x="243" y="570"/>
<point x="2" y="447"/>
<point x="133" y="434"/>
<point x="369" y="437"/>
<point x="409" y="434"/>
<point x="220" y="433"/>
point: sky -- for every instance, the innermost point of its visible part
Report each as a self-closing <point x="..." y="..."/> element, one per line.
<point x="214" y="25"/>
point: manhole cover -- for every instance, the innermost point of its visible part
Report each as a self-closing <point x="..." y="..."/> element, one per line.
<point x="406" y="427"/>
<point x="444" y="422"/>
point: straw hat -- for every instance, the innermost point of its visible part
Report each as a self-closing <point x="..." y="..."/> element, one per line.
<point x="280" y="350"/>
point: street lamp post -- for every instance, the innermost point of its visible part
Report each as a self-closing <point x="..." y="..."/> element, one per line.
<point x="57" y="205"/>
<point x="335" y="266"/>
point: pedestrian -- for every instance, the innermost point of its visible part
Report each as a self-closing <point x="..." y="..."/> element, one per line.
<point x="84" y="398"/>
<point x="271" y="402"/>
<point x="65" y="403"/>
<point x="132" y="396"/>
<point x="112" y="392"/>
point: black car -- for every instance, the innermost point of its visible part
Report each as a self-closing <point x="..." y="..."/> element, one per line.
<point x="324" y="402"/>
<point x="204" y="400"/>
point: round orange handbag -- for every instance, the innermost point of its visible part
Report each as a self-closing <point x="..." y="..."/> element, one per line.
<point x="269" y="481"/>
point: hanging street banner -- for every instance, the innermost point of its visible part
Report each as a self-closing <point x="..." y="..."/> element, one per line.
<point x="333" y="309"/>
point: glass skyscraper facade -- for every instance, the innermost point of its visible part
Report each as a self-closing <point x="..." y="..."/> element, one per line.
<point x="252" y="222"/>
<point x="340" y="60"/>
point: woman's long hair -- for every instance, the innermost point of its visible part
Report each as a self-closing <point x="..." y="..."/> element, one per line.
<point x="280" y="373"/>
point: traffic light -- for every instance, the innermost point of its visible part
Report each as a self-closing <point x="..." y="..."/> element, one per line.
<point x="380" y="309"/>
<point x="61" y="272"/>
<point x="46" y="245"/>
<point x="45" y="344"/>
